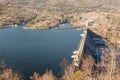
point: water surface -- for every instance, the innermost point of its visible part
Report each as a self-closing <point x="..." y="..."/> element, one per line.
<point x="37" y="50"/>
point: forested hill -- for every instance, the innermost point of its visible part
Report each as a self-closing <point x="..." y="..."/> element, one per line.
<point x="36" y="12"/>
<point x="70" y="3"/>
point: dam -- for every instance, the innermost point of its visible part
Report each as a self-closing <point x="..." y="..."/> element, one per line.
<point x="89" y="44"/>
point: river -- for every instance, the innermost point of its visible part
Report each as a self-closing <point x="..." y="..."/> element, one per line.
<point x="37" y="50"/>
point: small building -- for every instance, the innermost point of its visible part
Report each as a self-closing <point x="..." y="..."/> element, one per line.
<point x="92" y="24"/>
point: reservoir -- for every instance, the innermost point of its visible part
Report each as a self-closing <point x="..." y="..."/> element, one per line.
<point x="30" y="51"/>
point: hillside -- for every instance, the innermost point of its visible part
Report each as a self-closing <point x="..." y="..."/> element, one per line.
<point x="111" y="4"/>
<point x="41" y="11"/>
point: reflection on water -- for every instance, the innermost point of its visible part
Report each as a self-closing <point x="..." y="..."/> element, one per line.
<point x="36" y="50"/>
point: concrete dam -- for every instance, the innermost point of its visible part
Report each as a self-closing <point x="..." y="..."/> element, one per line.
<point x="90" y="43"/>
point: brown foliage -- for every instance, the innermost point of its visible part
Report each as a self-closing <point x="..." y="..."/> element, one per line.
<point x="9" y="74"/>
<point x="47" y="76"/>
<point x="87" y="67"/>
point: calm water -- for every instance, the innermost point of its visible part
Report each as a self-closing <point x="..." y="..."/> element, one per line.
<point x="35" y="50"/>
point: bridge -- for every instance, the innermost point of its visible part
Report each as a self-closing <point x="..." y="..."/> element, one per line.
<point x="90" y="43"/>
